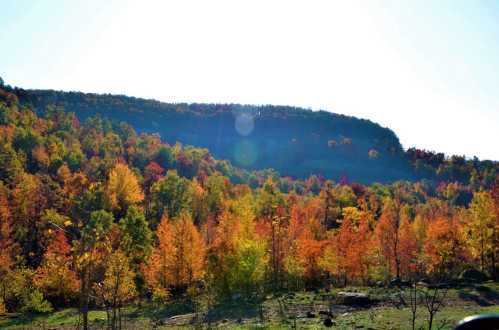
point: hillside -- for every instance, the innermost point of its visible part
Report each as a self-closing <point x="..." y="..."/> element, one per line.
<point x="99" y="224"/>
<point x="294" y="141"/>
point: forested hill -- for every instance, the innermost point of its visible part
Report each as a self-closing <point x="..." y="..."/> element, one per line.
<point x="294" y="141"/>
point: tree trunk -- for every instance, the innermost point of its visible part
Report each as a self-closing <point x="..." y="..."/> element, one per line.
<point x="84" y="299"/>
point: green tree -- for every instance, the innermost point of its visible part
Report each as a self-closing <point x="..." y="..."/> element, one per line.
<point x="171" y="194"/>
<point x="247" y="267"/>
<point x="87" y="252"/>
<point x="136" y="237"/>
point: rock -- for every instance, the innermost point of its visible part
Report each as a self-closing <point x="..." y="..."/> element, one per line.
<point x="310" y="315"/>
<point x="473" y="275"/>
<point x="326" y="313"/>
<point x="353" y="299"/>
<point x="328" y="323"/>
<point x="327" y="297"/>
<point x="397" y="282"/>
<point x="422" y="284"/>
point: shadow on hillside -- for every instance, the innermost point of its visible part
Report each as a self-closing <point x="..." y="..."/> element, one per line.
<point x="164" y="312"/>
<point x="233" y="311"/>
<point x="481" y="295"/>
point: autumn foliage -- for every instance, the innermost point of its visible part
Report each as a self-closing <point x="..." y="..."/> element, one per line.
<point x="94" y="214"/>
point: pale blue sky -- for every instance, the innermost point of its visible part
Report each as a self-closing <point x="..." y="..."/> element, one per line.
<point x="427" y="69"/>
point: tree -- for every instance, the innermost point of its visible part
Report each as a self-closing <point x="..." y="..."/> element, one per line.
<point x="117" y="287"/>
<point x="177" y="261"/>
<point x="123" y="188"/>
<point x="270" y="209"/>
<point x="189" y="251"/>
<point x="215" y="193"/>
<point x="136" y="237"/>
<point x="293" y="265"/>
<point x="23" y="288"/>
<point x="483" y="229"/>
<point x="330" y="206"/>
<point x="88" y="254"/>
<point x="152" y="173"/>
<point x="28" y="201"/>
<point x="387" y="237"/>
<point x="7" y="249"/>
<point x="495" y="197"/>
<point x="199" y="205"/>
<point x="227" y="234"/>
<point x="171" y="194"/>
<point x="55" y="277"/>
<point x="247" y="267"/>
<point x="350" y="247"/>
<point x="408" y="248"/>
<point x="443" y="247"/>
<point x="310" y="251"/>
<point x="157" y="271"/>
<point x="434" y="299"/>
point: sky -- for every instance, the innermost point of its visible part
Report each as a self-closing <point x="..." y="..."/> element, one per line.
<point x="429" y="70"/>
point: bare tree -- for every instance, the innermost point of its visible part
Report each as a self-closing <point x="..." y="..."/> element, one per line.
<point x="409" y="298"/>
<point x="434" y="300"/>
<point x="414" y="299"/>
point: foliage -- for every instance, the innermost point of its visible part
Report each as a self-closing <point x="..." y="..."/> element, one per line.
<point x="94" y="213"/>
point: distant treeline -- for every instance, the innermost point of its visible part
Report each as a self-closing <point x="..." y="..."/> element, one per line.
<point x="293" y="141"/>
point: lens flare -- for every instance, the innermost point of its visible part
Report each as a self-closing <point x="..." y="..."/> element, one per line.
<point x="244" y="124"/>
<point x="245" y="153"/>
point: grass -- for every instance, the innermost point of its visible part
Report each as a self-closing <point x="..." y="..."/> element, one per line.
<point x="283" y="312"/>
<point x="63" y="318"/>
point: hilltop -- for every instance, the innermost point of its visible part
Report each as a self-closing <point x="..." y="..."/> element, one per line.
<point x="294" y="141"/>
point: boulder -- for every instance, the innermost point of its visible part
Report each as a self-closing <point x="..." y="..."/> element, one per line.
<point x="473" y="275"/>
<point x="327" y="297"/>
<point x="328" y="323"/>
<point x="422" y="284"/>
<point x="326" y="313"/>
<point x="397" y="282"/>
<point x="310" y="315"/>
<point x="353" y="299"/>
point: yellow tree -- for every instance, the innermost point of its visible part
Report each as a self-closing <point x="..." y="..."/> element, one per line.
<point x="224" y="245"/>
<point x="123" y="188"/>
<point x="189" y="251"/>
<point x="236" y="261"/>
<point x="483" y="230"/>
<point x="117" y="287"/>
<point x="178" y="258"/>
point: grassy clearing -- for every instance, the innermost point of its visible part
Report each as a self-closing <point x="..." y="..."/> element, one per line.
<point x="285" y="311"/>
